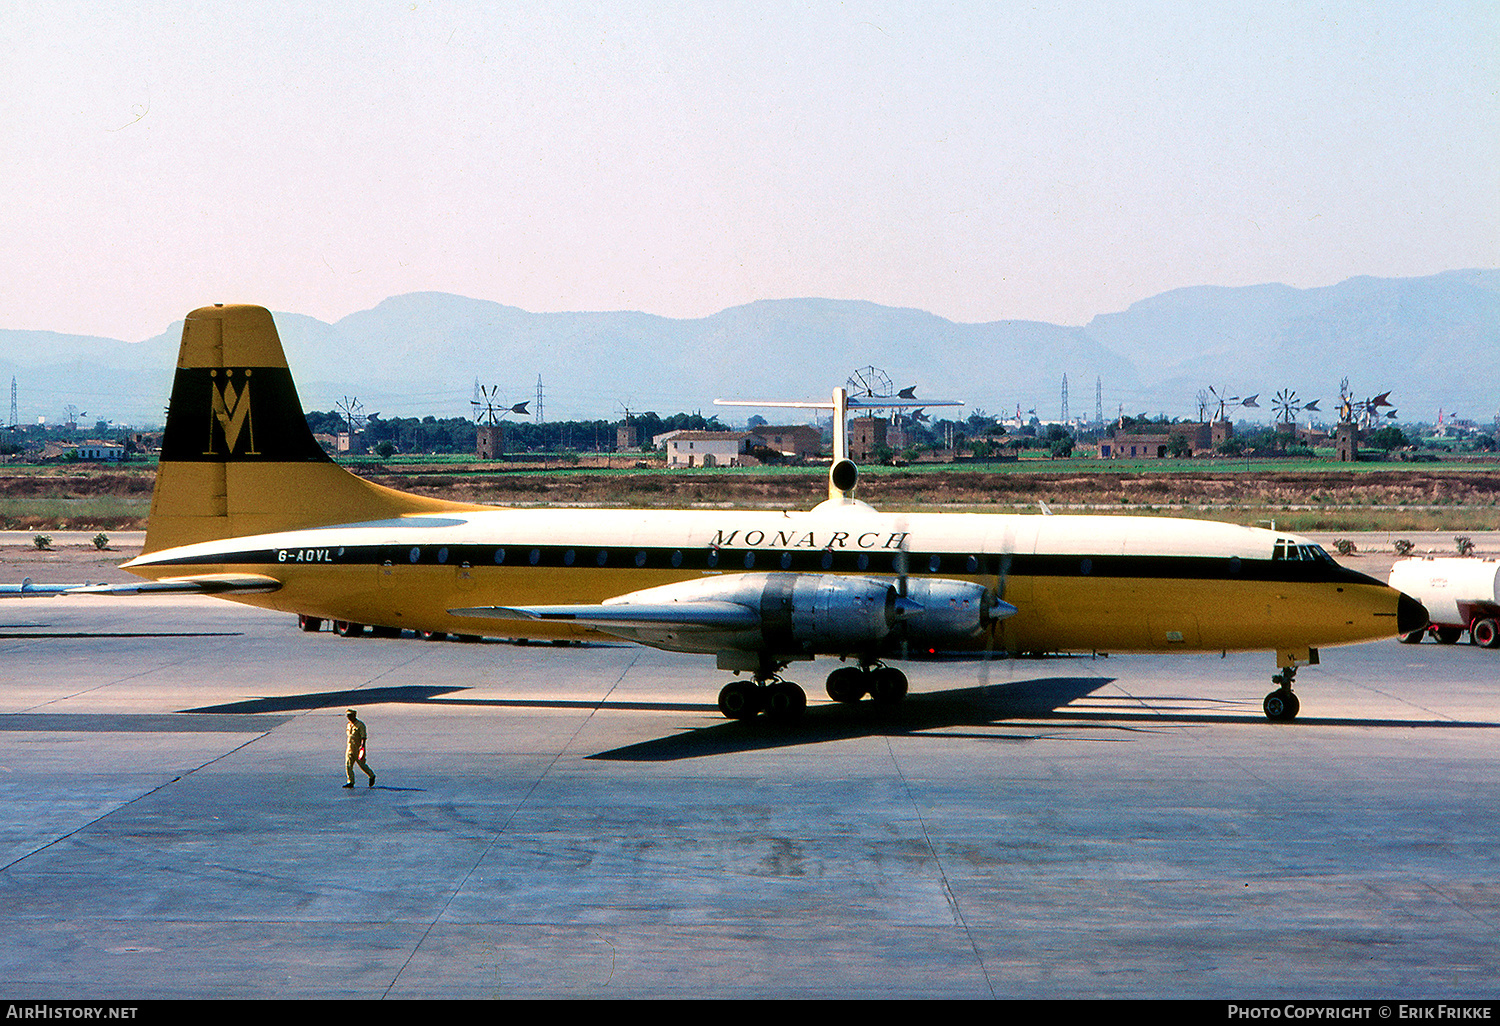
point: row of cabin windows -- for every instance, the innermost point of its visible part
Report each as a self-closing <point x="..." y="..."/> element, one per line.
<point x="607" y="557"/>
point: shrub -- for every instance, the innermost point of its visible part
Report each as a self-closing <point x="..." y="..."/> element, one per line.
<point x="43" y="542"/>
<point x="101" y="541"/>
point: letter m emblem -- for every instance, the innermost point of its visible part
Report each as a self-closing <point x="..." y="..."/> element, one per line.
<point x="231" y="411"/>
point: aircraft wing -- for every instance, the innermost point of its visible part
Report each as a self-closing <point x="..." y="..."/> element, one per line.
<point x="199" y="584"/>
<point x="703" y="615"/>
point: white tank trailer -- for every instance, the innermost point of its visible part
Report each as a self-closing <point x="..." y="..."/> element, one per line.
<point x="1461" y="594"/>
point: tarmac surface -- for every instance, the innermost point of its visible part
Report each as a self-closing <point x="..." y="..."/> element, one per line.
<point x="581" y="822"/>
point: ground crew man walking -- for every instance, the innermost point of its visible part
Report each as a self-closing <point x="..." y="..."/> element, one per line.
<point x="354" y="755"/>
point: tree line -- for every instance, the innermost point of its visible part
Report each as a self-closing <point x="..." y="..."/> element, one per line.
<point x="456" y="434"/>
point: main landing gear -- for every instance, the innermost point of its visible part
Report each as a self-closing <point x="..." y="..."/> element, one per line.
<point x="783" y="701"/>
<point x="1281" y="705"/>
<point x="780" y="700"/>
<point x="886" y="685"/>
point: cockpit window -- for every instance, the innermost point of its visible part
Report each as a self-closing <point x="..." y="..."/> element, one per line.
<point x="1287" y="549"/>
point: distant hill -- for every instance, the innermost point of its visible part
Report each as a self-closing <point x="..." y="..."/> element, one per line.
<point x="1431" y="341"/>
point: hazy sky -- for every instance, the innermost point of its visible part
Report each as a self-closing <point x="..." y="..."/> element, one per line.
<point x="982" y="161"/>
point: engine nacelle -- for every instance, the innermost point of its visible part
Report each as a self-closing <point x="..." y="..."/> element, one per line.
<point x="951" y="613"/>
<point x="826" y="614"/>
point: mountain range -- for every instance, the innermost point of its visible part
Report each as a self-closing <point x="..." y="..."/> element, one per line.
<point x="1433" y="342"/>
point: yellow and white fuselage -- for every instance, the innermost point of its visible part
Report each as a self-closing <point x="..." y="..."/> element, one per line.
<point x="1078" y="583"/>
<point x="247" y="506"/>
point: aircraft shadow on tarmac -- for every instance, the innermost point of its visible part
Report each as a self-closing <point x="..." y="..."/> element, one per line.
<point x="405" y="695"/>
<point x="1033" y="708"/>
<point x="1038" y="707"/>
<point x="976" y="707"/>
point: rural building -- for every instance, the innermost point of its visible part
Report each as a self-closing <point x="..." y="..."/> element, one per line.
<point x="710" y="448"/>
<point x="1346" y="442"/>
<point x="865" y="433"/>
<point x="489" y="441"/>
<point x="92" y="450"/>
<point x="1154" y="445"/>
<point x="799" y="441"/>
<point x="102" y="451"/>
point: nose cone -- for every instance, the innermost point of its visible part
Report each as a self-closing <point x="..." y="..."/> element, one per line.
<point x="1411" y="615"/>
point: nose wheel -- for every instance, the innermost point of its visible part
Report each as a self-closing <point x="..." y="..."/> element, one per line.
<point x="1281" y="705"/>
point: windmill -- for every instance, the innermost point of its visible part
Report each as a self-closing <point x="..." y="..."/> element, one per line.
<point x="1287" y="406"/>
<point x="489" y="411"/>
<point x="353" y="412"/>
<point x="1225" y="401"/>
<point x="869" y="383"/>
<point x="627" y="435"/>
<point x="1363" y="412"/>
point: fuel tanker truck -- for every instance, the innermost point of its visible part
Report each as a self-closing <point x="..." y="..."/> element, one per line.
<point x="1461" y="593"/>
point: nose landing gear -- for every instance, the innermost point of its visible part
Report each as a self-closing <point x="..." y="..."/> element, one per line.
<point x="1281" y="705"/>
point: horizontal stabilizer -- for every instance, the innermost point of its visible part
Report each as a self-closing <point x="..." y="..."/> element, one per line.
<point x="201" y="584"/>
<point x="723" y="616"/>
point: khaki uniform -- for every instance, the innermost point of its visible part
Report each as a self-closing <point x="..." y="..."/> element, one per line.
<point x="354" y="755"/>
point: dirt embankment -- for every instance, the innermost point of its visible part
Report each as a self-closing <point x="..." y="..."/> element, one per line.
<point x="110" y="499"/>
<point x="965" y="487"/>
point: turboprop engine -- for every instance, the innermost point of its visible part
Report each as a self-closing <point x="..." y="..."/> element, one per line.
<point x="810" y="614"/>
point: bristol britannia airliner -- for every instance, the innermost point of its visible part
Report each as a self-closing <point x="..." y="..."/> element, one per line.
<point x="248" y="507"/>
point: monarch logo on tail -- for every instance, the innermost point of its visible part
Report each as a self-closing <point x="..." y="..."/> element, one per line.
<point x="231" y="410"/>
<point x="213" y="418"/>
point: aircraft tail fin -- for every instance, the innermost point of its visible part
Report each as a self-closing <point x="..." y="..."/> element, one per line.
<point x="237" y="456"/>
